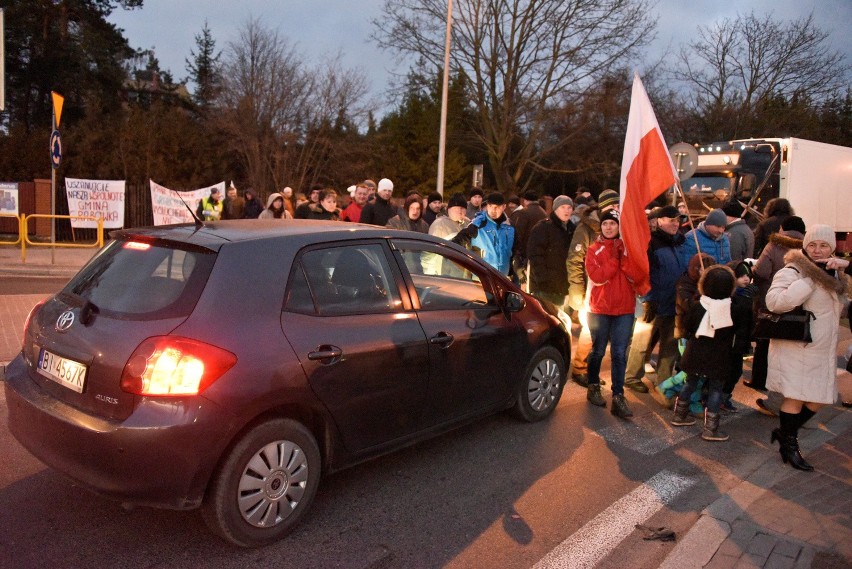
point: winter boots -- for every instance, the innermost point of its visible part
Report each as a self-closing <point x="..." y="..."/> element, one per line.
<point x="711" y="430"/>
<point x="788" y="437"/>
<point x="593" y="394"/>
<point x="682" y="418"/>
<point x="619" y="407"/>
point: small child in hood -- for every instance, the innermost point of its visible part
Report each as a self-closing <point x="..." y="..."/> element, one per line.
<point x="711" y="324"/>
<point x="743" y="303"/>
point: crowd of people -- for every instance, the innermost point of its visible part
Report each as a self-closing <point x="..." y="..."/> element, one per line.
<point x="708" y="282"/>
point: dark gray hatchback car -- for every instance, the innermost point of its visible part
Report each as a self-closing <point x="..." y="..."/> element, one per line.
<point x="229" y="366"/>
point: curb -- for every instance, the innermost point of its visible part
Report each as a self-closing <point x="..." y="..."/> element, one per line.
<point x="713" y="527"/>
<point x="40" y="271"/>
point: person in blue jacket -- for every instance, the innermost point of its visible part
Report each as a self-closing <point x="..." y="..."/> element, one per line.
<point x="491" y="233"/>
<point x="711" y="238"/>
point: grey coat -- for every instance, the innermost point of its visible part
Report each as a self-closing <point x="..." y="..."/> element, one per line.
<point x="741" y="239"/>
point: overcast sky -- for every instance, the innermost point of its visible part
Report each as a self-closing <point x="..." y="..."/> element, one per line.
<point x="326" y="27"/>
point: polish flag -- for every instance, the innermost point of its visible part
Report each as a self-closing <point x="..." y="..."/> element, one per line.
<point x="646" y="172"/>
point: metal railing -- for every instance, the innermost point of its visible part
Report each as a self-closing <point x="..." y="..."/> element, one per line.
<point x="24" y="240"/>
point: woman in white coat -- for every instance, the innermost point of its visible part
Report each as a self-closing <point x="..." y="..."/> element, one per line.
<point x="805" y="373"/>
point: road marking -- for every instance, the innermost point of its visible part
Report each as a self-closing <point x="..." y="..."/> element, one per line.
<point x="595" y="540"/>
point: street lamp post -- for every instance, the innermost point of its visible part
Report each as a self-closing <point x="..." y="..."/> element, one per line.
<point x="442" y="138"/>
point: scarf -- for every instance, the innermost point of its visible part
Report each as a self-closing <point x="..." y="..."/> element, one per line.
<point x="717" y="315"/>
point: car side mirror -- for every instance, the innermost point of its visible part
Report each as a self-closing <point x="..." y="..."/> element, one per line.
<point x="513" y="302"/>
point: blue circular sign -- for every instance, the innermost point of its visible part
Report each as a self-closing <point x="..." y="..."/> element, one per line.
<point x="55" y="149"/>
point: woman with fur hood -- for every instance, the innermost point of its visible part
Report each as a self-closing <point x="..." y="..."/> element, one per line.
<point x="805" y="373"/>
<point x="326" y="207"/>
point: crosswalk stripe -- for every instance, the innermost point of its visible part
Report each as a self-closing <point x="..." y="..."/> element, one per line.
<point x="595" y="540"/>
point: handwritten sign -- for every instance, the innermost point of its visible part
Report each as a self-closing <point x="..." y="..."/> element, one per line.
<point x="168" y="205"/>
<point x="99" y="199"/>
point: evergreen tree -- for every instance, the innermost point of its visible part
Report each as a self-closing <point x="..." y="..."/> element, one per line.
<point x="204" y="70"/>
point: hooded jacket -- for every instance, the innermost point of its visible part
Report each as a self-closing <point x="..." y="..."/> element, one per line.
<point x="269" y="214"/>
<point x="806" y="372"/>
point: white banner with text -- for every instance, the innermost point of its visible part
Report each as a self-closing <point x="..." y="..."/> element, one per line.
<point x="170" y="206"/>
<point x="96" y="199"/>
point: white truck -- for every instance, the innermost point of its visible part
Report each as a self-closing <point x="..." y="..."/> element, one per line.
<point x="815" y="177"/>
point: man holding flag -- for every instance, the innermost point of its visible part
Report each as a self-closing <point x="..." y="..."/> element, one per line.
<point x="646" y="172"/>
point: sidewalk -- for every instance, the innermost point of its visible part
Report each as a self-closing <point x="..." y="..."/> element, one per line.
<point x="65" y="261"/>
<point x="780" y="517"/>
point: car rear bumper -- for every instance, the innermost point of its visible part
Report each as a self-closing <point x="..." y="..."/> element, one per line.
<point x="161" y="455"/>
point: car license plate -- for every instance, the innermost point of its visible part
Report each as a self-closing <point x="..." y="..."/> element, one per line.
<point x="63" y="371"/>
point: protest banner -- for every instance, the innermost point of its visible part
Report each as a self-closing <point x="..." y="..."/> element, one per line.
<point x="102" y="199"/>
<point x="168" y="208"/>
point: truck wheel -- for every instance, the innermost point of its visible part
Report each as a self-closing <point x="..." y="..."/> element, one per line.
<point x="264" y="487"/>
<point x="539" y="391"/>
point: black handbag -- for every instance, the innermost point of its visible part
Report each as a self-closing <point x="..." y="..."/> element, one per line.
<point x="794" y="325"/>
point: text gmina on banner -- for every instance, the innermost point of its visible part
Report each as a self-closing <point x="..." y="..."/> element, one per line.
<point x="168" y="207"/>
<point x="93" y="200"/>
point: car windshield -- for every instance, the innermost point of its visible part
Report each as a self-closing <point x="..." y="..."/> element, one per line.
<point x="706" y="184"/>
<point x="143" y="280"/>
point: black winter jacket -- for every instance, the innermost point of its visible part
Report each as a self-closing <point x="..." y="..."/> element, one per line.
<point x="547" y="250"/>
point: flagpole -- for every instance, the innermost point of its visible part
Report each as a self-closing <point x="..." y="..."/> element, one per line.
<point x="691" y="225"/>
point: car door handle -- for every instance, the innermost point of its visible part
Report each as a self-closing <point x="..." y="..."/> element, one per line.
<point x="331" y="353"/>
<point x="442" y="339"/>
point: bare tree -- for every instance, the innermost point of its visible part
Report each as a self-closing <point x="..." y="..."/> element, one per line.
<point x="521" y="58"/>
<point x="739" y="65"/>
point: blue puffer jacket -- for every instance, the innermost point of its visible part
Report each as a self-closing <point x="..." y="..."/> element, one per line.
<point x="719" y="249"/>
<point x="667" y="265"/>
<point x="495" y="240"/>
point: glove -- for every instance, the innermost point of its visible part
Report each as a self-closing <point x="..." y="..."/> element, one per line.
<point x="750" y="291"/>
<point x="650" y="311"/>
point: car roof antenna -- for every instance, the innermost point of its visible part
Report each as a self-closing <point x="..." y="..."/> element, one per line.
<point x="198" y="223"/>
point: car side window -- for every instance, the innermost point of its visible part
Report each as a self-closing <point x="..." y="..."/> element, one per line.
<point x="353" y="279"/>
<point x="445" y="283"/>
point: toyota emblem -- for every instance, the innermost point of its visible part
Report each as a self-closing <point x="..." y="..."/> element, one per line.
<point x="65" y="321"/>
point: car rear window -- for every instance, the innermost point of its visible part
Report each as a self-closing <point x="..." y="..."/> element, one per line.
<point x="144" y="280"/>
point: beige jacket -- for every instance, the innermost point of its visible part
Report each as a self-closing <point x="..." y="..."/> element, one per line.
<point x="806" y="372"/>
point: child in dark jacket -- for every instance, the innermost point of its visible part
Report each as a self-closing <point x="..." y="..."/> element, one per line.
<point x="711" y="325"/>
<point x="743" y="303"/>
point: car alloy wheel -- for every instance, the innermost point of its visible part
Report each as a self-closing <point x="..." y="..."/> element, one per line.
<point x="273" y="483"/>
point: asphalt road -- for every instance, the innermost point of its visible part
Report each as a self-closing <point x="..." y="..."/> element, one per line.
<point x="497" y="493"/>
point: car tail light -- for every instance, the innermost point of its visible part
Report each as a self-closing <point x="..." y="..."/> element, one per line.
<point x="171" y="365"/>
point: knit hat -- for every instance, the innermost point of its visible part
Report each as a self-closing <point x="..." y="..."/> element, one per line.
<point x="717" y="282"/>
<point x="435" y="197"/>
<point x="457" y="200"/>
<point x="562" y="200"/>
<point x="495" y="198"/>
<point x="794" y="223"/>
<point x="733" y="209"/>
<point x="741" y="269"/>
<point x="531" y="196"/>
<point x="610" y="215"/>
<point x="820" y="232"/>
<point x="385" y="184"/>
<point x="476" y="192"/>
<point x="716" y="217"/>
<point x="608" y="198"/>
<point x="668" y="211"/>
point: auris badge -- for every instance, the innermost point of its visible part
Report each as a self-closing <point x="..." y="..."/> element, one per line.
<point x="65" y="320"/>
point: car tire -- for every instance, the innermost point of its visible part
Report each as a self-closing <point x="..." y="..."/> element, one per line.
<point x="539" y="391"/>
<point x="265" y="485"/>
